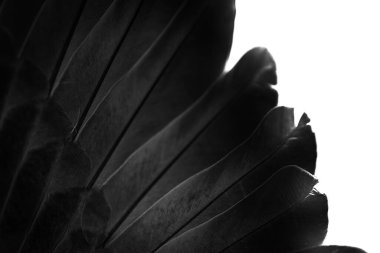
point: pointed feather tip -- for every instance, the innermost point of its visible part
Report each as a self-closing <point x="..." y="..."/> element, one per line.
<point x="259" y="64"/>
<point x="304" y="120"/>
<point x="296" y="169"/>
<point x="267" y="75"/>
<point x="316" y="192"/>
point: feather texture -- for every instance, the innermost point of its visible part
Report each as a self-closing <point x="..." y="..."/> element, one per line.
<point x="250" y="214"/>
<point x="120" y="132"/>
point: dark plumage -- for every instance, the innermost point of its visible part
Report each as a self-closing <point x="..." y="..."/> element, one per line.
<point x="119" y="132"/>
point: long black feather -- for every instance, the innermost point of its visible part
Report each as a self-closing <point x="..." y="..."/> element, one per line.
<point x="120" y="132"/>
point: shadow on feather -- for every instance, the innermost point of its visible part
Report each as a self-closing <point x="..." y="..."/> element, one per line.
<point x="120" y="132"/>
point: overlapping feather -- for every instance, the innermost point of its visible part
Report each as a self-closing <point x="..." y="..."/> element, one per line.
<point x="119" y="132"/>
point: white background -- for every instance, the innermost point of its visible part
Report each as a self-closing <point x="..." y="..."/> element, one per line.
<point x="328" y="65"/>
